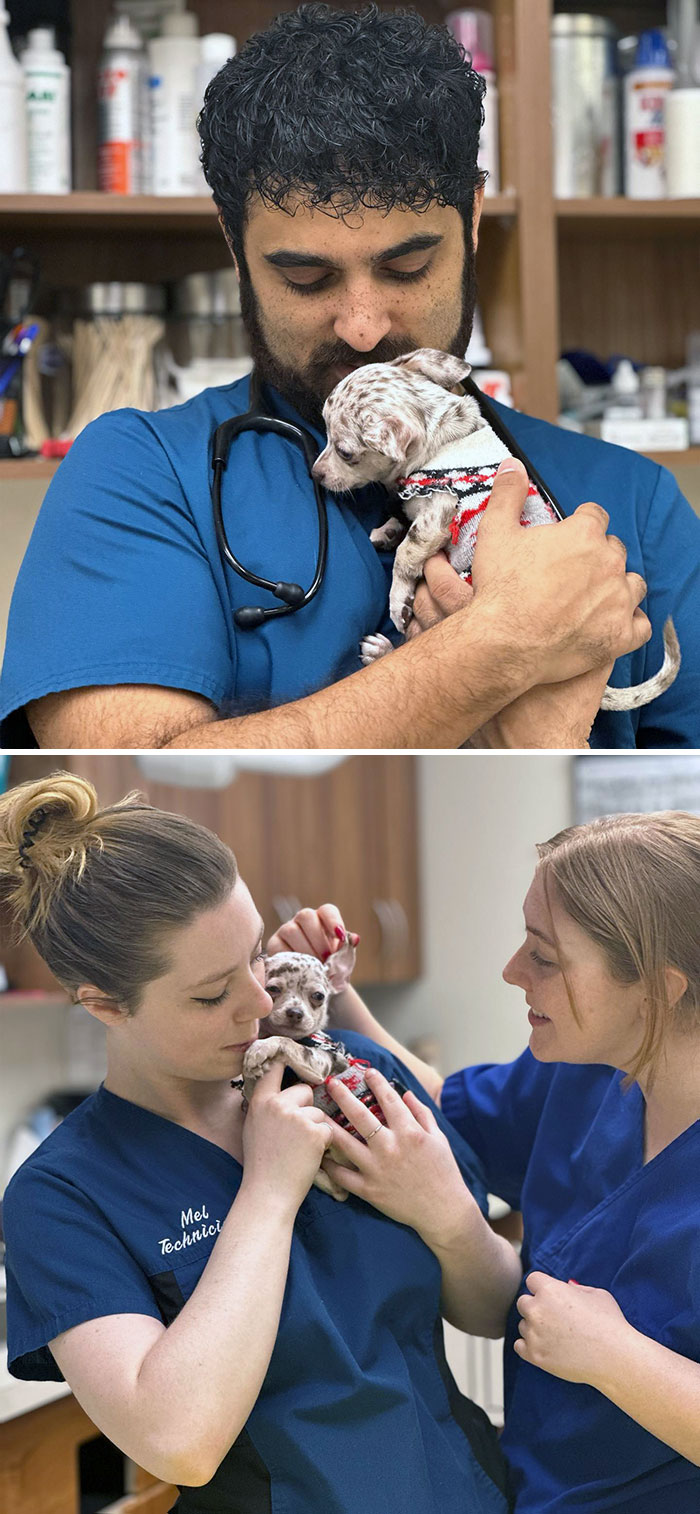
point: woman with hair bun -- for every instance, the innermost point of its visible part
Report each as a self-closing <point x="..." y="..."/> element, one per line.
<point x="594" y="1133"/>
<point x="233" y="1329"/>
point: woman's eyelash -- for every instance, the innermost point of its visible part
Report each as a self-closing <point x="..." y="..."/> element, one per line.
<point x="402" y="278"/>
<point x="541" y="961"/>
<point x="218" y="1000"/>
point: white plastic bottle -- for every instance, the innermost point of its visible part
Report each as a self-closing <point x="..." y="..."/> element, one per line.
<point x="120" y="90"/>
<point x="47" y="97"/>
<point x="215" y="49"/>
<point x="646" y="91"/>
<point x="474" y="29"/>
<point x="624" y="401"/>
<point x="174" y="60"/>
<point x="13" y="121"/>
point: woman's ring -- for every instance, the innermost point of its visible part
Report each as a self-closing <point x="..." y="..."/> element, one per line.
<point x="375" y="1132"/>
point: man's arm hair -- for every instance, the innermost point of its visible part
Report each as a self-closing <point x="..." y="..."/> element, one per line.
<point x="433" y="692"/>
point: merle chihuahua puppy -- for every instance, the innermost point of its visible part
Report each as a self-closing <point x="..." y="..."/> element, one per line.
<point x="398" y="424"/>
<point x="301" y="988"/>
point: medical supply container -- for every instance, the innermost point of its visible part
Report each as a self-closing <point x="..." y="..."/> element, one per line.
<point x="174" y="60"/>
<point x="474" y="29"/>
<point x="120" y="92"/>
<point x="683" y="144"/>
<point x="13" y="128"/>
<point x="215" y="49"/>
<point x="585" y="106"/>
<point x="47" y="99"/>
<point x="646" y="92"/>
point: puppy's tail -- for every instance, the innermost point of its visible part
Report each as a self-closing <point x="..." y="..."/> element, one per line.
<point x="643" y="693"/>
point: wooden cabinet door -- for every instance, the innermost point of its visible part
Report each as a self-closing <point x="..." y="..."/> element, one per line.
<point x="348" y="836"/>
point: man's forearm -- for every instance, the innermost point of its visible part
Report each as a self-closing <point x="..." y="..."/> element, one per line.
<point x="432" y="692"/>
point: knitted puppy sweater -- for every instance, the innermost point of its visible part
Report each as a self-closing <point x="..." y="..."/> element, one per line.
<point x="466" y="468"/>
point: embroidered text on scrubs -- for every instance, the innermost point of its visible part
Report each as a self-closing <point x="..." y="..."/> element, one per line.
<point x="190" y="1217"/>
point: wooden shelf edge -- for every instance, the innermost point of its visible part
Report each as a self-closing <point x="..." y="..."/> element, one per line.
<point x="196" y="212"/>
<point x="29" y="998"/>
<point x="29" y="467"/>
<point x="620" y="208"/>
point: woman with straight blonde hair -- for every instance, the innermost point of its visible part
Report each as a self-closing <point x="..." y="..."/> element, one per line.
<point x="233" y="1329"/>
<point x="594" y="1133"/>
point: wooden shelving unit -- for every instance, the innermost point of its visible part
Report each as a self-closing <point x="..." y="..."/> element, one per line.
<point x="611" y="275"/>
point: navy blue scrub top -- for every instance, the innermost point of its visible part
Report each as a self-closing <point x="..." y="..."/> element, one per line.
<point x="565" y="1144"/>
<point x="122" y="581"/>
<point x="118" y="1211"/>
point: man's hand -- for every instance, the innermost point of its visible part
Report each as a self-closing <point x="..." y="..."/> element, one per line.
<point x="562" y="594"/>
<point x="441" y="592"/>
<point x="548" y="715"/>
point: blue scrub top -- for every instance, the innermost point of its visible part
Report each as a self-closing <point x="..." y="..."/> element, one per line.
<point x="122" y="580"/>
<point x="566" y="1145"/>
<point x="118" y="1211"/>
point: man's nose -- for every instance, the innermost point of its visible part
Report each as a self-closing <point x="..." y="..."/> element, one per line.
<point x="362" y="322"/>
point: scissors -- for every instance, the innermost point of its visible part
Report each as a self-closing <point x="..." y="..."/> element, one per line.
<point x="294" y="597"/>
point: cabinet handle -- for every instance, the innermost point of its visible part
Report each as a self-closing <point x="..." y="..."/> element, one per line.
<point x="402" y="934"/>
<point x="387" y="926"/>
<point x="285" y="907"/>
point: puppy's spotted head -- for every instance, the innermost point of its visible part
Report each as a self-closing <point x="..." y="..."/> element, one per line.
<point x="382" y="420"/>
<point x="301" y="988"/>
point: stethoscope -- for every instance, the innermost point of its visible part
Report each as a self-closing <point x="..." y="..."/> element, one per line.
<point x="255" y="419"/>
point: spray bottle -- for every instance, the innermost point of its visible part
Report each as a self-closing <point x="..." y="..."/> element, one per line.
<point x="120" y="89"/>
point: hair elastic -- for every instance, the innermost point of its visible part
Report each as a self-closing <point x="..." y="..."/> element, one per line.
<point x="28" y="836"/>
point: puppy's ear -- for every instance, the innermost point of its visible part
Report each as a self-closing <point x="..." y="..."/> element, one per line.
<point x="340" y="966"/>
<point x="394" y="438"/>
<point x="441" y="367"/>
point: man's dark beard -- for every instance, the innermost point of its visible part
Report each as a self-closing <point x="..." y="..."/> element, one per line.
<point x="308" y="392"/>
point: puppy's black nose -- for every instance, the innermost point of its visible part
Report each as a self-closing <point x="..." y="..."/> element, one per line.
<point x="295" y="1014"/>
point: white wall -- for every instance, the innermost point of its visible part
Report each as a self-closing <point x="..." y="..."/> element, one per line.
<point x="480" y="816"/>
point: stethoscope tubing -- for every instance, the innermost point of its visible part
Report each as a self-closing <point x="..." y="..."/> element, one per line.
<point x="254" y="419"/>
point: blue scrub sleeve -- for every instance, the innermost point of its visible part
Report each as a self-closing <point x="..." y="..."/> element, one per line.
<point x="670" y="539"/>
<point x="116" y="585"/>
<point x="497" y="1108"/>
<point x="65" y="1264"/>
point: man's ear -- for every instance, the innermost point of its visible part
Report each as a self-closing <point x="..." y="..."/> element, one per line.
<point x="99" y="1004"/>
<point x="441" y="367"/>
<point x="395" y="438"/>
<point x="340" y="966"/>
<point x="228" y="244"/>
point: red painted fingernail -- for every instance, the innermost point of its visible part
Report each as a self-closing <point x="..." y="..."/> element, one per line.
<point x="325" y="956"/>
<point x="340" y="933"/>
<point x="574" y="1280"/>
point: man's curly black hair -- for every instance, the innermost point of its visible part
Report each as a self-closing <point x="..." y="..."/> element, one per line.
<point x="347" y="108"/>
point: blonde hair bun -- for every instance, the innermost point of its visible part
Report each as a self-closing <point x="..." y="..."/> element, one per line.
<point x="45" y="833"/>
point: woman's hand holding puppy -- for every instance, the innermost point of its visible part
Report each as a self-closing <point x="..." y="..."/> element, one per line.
<point x="284" y="1140"/>
<point x="407" y="1170"/>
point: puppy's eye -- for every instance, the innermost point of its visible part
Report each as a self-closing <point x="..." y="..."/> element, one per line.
<point x="348" y="457"/>
<point x="273" y="990"/>
<point x="318" y="998"/>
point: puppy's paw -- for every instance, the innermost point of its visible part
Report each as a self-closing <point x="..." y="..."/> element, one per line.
<point x="401" y="605"/>
<point x="389" y="535"/>
<point x="259" y="1056"/>
<point x="373" y="647"/>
